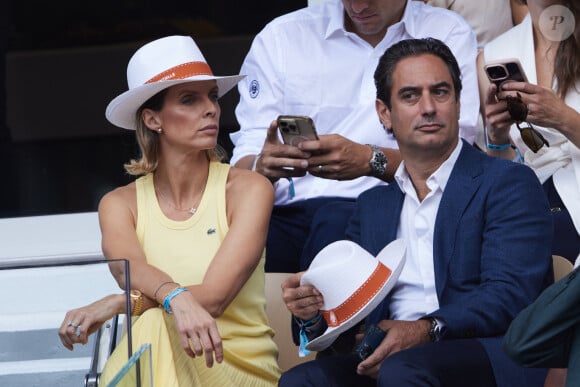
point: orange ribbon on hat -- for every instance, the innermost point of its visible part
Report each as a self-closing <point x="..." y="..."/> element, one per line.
<point x="353" y="304"/>
<point x="182" y="71"/>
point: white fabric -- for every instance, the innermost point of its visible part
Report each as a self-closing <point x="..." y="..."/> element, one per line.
<point x="306" y="63"/>
<point x="562" y="158"/>
<point x="415" y="294"/>
<point x="488" y="18"/>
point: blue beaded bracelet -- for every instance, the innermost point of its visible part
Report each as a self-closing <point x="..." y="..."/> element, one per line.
<point x="170" y="297"/>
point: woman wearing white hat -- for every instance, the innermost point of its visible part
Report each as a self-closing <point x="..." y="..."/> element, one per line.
<point x="192" y="228"/>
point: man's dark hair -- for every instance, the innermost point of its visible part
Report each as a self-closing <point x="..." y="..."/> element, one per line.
<point x="407" y="48"/>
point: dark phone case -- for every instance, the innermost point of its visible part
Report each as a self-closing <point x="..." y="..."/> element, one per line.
<point x="373" y="337"/>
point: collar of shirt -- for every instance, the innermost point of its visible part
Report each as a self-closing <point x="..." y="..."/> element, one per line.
<point x="336" y="22"/>
<point x="438" y="179"/>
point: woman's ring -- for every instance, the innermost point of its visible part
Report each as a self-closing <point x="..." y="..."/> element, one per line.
<point x="529" y="110"/>
<point x="72" y="324"/>
<point x="319" y="168"/>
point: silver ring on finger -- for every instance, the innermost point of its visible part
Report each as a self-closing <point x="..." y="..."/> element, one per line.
<point x="72" y="324"/>
<point x="319" y="168"/>
<point x="529" y="110"/>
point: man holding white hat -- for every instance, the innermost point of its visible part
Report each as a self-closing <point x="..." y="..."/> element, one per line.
<point x="473" y="258"/>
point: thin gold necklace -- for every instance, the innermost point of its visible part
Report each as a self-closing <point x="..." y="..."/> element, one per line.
<point x="191" y="209"/>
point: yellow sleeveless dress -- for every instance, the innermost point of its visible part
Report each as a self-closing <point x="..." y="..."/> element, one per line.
<point x="184" y="250"/>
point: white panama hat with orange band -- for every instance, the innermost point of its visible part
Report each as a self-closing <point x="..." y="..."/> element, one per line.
<point x="158" y="65"/>
<point x="352" y="283"/>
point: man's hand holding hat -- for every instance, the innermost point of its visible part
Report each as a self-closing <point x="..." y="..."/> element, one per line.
<point x="303" y="301"/>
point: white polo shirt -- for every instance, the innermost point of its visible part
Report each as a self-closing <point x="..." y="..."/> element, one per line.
<point x="306" y="63"/>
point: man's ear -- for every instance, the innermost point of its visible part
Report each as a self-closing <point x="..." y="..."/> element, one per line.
<point x="150" y="119"/>
<point x="384" y="113"/>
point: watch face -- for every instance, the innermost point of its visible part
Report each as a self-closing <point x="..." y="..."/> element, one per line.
<point x="378" y="161"/>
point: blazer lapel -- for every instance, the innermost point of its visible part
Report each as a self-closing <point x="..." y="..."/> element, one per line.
<point x="462" y="185"/>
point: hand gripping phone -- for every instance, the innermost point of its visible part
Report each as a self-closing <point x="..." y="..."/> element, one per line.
<point x="295" y="129"/>
<point x="505" y="70"/>
<point x="373" y="337"/>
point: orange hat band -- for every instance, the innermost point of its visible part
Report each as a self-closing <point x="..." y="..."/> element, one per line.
<point x="182" y="71"/>
<point x="359" y="298"/>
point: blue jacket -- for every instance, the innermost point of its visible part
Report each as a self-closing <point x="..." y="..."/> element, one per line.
<point x="491" y="250"/>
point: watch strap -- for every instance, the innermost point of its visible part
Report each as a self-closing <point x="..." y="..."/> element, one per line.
<point x="137" y="302"/>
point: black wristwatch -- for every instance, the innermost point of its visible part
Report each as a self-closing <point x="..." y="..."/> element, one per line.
<point x="378" y="161"/>
<point x="434" y="330"/>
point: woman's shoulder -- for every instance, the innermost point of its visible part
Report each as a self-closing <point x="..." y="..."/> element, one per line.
<point x="248" y="180"/>
<point x="125" y="195"/>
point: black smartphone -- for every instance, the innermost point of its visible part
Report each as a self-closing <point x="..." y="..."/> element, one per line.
<point x="295" y="129"/>
<point x="505" y="70"/>
<point x="371" y="340"/>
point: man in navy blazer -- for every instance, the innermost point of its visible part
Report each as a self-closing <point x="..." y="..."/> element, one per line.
<point x="478" y="232"/>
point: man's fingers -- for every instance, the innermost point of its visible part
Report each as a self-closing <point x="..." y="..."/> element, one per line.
<point x="272" y="133"/>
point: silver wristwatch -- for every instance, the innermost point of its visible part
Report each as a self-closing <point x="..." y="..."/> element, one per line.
<point x="378" y="162"/>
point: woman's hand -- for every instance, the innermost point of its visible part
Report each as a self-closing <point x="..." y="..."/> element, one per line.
<point x="497" y="117"/>
<point x="304" y="302"/>
<point x="197" y="329"/>
<point x="80" y="323"/>
<point x="545" y="107"/>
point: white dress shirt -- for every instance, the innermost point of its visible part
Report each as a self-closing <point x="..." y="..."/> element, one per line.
<point x="306" y="63"/>
<point x="414" y="294"/>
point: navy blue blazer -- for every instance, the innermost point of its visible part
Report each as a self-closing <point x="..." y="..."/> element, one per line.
<point x="491" y="250"/>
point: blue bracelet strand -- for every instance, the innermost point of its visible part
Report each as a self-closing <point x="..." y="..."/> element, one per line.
<point x="291" y="190"/>
<point x="519" y="158"/>
<point x="493" y="146"/>
<point x="498" y="147"/>
<point x="170" y="297"/>
<point x="302" y="351"/>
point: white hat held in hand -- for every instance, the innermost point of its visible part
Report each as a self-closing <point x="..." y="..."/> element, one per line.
<point x="352" y="283"/>
<point x="158" y="65"/>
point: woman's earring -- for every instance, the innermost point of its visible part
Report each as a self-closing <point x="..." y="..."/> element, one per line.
<point x="159" y="130"/>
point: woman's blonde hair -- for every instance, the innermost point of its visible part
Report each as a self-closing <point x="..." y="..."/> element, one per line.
<point x="148" y="141"/>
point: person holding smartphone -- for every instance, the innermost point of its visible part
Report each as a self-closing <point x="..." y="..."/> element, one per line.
<point x="318" y="62"/>
<point x="537" y="122"/>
